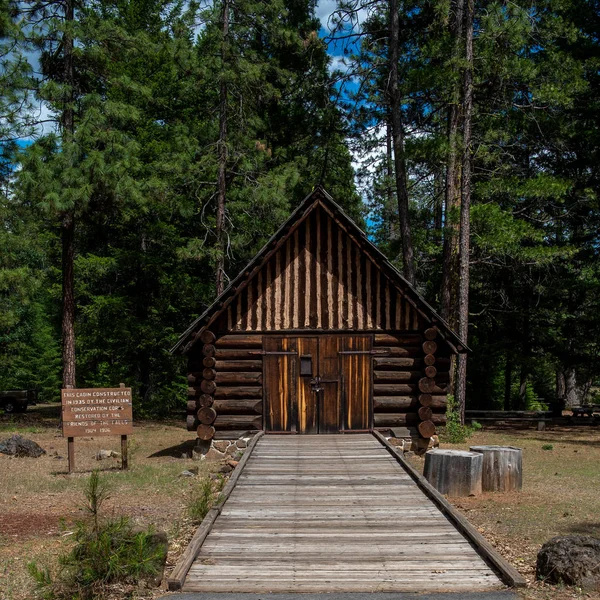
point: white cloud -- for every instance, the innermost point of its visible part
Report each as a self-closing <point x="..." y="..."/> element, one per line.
<point x="339" y="63"/>
<point x="324" y="10"/>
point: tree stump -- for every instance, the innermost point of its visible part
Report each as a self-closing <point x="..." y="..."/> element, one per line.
<point x="454" y="472"/>
<point x="502" y="468"/>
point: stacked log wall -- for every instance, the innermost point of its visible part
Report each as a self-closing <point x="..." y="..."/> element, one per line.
<point x="225" y="387"/>
<point x="410" y="377"/>
<point x="225" y="379"/>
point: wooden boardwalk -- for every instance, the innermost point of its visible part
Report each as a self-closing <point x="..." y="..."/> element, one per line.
<point x="332" y="514"/>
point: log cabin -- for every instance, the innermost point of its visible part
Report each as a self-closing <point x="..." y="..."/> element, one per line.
<point x="319" y="333"/>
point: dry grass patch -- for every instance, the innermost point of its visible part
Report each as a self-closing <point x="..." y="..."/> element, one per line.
<point x="40" y="501"/>
<point x="560" y="497"/>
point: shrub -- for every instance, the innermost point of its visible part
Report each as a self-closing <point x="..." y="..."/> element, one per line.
<point x="531" y="400"/>
<point x="455" y="432"/>
<point x="104" y="552"/>
<point x="202" y="500"/>
<point x="547" y="447"/>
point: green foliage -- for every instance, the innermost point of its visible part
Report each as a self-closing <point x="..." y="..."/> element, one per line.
<point x="103" y="552"/>
<point x="139" y="174"/>
<point x="530" y="400"/>
<point x="140" y="168"/>
<point x="201" y="500"/>
<point x="454" y="432"/>
<point x="547" y="447"/>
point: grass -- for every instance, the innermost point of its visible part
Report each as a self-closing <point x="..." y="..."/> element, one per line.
<point x="16" y="428"/>
<point x="104" y="552"/>
<point x="201" y="500"/>
<point x="36" y="495"/>
<point x="559" y="497"/>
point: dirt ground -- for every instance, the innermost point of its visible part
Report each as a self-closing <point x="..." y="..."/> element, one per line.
<point x="560" y="496"/>
<point x="40" y="501"/>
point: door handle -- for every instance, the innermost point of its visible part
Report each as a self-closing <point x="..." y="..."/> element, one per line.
<point x="315" y="383"/>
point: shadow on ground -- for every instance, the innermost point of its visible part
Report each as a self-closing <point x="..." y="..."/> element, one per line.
<point x="43" y="416"/>
<point x="176" y="451"/>
<point x="551" y="437"/>
<point x="586" y="528"/>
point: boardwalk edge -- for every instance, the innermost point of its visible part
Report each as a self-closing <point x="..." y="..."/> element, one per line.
<point x="177" y="577"/>
<point x="507" y="572"/>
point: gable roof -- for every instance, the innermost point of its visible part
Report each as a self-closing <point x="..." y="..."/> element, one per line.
<point x="318" y="197"/>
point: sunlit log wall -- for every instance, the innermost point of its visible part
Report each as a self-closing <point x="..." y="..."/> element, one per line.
<point x="319" y="280"/>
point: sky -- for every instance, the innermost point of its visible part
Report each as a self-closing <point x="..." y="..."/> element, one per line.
<point x="324" y="11"/>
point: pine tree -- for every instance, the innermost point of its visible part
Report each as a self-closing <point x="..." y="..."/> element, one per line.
<point x="87" y="156"/>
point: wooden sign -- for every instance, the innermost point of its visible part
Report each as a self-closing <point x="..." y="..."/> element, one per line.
<point x="96" y="412"/>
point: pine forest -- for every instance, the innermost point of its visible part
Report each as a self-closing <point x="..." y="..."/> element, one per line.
<point x="150" y="148"/>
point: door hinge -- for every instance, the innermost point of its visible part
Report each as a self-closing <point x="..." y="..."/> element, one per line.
<point x="372" y="352"/>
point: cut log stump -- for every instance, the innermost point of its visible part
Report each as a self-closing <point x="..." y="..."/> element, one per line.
<point x="454" y="472"/>
<point x="502" y="468"/>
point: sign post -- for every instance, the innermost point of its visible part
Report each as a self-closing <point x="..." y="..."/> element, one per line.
<point x="96" y="412"/>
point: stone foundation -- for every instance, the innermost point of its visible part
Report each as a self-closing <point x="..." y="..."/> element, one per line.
<point x="416" y="445"/>
<point x="220" y="449"/>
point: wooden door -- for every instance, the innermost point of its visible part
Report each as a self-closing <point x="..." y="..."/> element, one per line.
<point x="317" y="384"/>
<point x="355" y="367"/>
<point x="329" y="374"/>
<point x="307" y="370"/>
<point x="280" y="383"/>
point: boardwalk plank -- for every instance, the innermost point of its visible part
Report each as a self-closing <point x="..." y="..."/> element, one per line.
<point x="332" y="513"/>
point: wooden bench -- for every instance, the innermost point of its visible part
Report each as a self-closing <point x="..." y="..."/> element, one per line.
<point x="586" y="410"/>
<point x="541" y="417"/>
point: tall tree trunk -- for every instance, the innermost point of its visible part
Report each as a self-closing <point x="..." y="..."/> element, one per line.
<point x="408" y="260"/>
<point x="572" y="396"/>
<point x="465" y="209"/>
<point x="68" y="217"/>
<point x="508" y="381"/>
<point x="389" y="174"/>
<point x="68" y="299"/>
<point x="450" y="268"/>
<point x="561" y="387"/>
<point x="438" y="205"/>
<point x="222" y="152"/>
<point x="525" y="354"/>
<point x="523" y="379"/>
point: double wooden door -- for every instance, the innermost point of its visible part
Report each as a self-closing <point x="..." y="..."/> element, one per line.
<point x="317" y="384"/>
